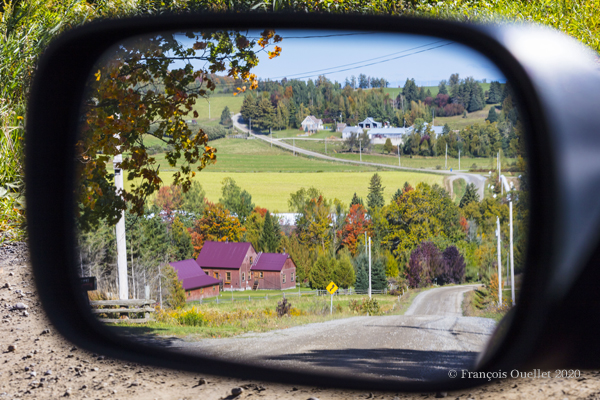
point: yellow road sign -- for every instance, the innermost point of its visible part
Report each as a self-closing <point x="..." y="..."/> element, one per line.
<point x="332" y="288"/>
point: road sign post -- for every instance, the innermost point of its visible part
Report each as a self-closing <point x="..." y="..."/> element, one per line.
<point x="331" y="288"/>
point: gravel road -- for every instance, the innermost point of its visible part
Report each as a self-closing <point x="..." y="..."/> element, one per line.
<point x="45" y="366"/>
<point x="424" y="345"/>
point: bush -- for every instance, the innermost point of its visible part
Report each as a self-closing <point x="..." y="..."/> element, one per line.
<point x="283" y="308"/>
<point x="370" y="306"/>
<point x="191" y="317"/>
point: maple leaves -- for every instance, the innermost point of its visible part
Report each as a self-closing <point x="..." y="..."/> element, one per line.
<point x="139" y="88"/>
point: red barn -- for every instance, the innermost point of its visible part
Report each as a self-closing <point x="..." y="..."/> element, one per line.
<point x="274" y="271"/>
<point x="196" y="283"/>
<point x="228" y="262"/>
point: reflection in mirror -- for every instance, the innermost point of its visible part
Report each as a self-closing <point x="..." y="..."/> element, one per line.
<point x="336" y="202"/>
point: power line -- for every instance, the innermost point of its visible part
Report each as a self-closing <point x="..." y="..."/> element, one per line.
<point x="379" y="62"/>
<point x="359" y="62"/>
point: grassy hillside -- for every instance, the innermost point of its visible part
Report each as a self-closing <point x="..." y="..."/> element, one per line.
<point x="434" y="89"/>
<point x="458" y="122"/>
<point x="217" y="104"/>
<point x="272" y="190"/>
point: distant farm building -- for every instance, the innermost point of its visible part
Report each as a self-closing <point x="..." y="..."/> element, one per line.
<point x="233" y="264"/>
<point x="229" y="262"/>
<point x="349" y="130"/>
<point x="369" y="123"/>
<point x="340" y="127"/>
<point x="312" y="124"/>
<point x="274" y="271"/>
<point x="380" y="135"/>
<point x="196" y="283"/>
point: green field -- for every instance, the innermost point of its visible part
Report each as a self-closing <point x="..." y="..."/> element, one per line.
<point x="458" y="122"/>
<point x="254" y="155"/>
<point x="217" y="104"/>
<point x="338" y="150"/>
<point x="394" y="92"/>
<point x="272" y="190"/>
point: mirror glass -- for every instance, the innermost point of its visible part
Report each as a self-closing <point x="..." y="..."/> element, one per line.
<point x="339" y="202"/>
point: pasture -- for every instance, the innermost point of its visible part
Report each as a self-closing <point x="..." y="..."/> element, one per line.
<point x="272" y="190"/>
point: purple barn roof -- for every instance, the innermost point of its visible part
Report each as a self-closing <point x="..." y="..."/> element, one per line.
<point x="269" y="262"/>
<point x="187" y="268"/>
<point x="191" y="275"/>
<point x="229" y="255"/>
<point x="199" y="281"/>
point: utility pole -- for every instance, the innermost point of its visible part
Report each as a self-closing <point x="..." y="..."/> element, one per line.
<point x="120" y="234"/>
<point x="369" y="268"/>
<point x="250" y="120"/>
<point x="446" y="165"/>
<point x="294" y="145"/>
<point x="271" y="133"/>
<point x="459" y="159"/>
<point x="360" y="148"/>
<point x="499" y="263"/>
<point x="399" y="155"/>
<point x="512" y="258"/>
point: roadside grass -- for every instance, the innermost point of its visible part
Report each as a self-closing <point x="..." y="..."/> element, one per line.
<point x="272" y="190"/>
<point x="231" y="319"/>
<point x="459" y="187"/>
<point x="479" y="303"/>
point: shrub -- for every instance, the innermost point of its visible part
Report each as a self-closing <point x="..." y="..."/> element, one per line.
<point x="370" y="306"/>
<point x="191" y="317"/>
<point x="354" y="306"/>
<point x="283" y="308"/>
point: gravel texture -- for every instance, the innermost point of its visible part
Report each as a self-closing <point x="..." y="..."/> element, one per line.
<point x="37" y="363"/>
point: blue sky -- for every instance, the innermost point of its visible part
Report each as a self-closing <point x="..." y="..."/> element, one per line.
<point x="395" y="57"/>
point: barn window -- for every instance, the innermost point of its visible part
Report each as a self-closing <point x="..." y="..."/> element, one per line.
<point x="216" y="275"/>
<point x="260" y="274"/>
<point x="228" y="276"/>
<point x="283" y="278"/>
<point x="202" y="291"/>
<point x="243" y="276"/>
<point x="292" y="277"/>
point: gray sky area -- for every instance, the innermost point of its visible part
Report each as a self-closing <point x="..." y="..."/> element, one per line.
<point x="306" y="54"/>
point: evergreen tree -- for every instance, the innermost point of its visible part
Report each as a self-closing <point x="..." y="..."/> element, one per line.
<point x="477" y="100"/>
<point x="492" y="116"/>
<point x="226" y="117"/>
<point x="410" y="91"/>
<point x="270" y="236"/>
<point x="249" y="108"/>
<point x="265" y="118"/>
<point x="361" y="267"/>
<point x="378" y="278"/>
<point x="470" y="196"/>
<point x="397" y="195"/>
<point x="356" y="200"/>
<point x="174" y="295"/>
<point x="495" y="93"/>
<point x="181" y="240"/>
<point x="388" y="146"/>
<point x="442" y="88"/>
<point x="375" y="197"/>
<point x="320" y="274"/>
<point x="236" y="200"/>
<point x="344" y="275"/>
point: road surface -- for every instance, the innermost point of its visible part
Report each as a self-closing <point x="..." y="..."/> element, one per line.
<point x="423" y="345"/>
<point x="478" y="180"/>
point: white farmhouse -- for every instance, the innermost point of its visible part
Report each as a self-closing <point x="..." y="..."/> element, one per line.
<point x="312" y="124"/>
